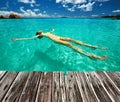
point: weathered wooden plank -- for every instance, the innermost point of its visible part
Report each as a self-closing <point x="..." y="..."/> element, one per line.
<point x="30" y="90"/>
<point x="6" y="82"/>
<point x="113" y="90"/>
<point x="115" y="77"/>
<point x="80" y="83"/>
<point x="16" y="88"/>
<point x="117" y="73"/>
<point x="101" y="90"/>
<point x="90" y="90"/>
<point x="48" y="92"/>
<point x="62" y="87"/>
<point x="56" y="87"/>
<point x="42" y="94"/>
<point x="97" y="88"/>
<point x="45" y="88"/>
<point x="72" y="90"/>
<point x="2" y="73"/>
<point x="86" y="88"/>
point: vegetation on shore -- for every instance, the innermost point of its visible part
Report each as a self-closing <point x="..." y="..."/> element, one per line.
<point x="113" y="17"/>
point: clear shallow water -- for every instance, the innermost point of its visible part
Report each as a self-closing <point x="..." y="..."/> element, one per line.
<point x="45" y="55"/>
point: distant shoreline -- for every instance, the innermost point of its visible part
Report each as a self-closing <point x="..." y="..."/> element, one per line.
<point x="116" y="17"/>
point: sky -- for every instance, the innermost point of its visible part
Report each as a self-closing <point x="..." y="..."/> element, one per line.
<point x="60" y="8"/>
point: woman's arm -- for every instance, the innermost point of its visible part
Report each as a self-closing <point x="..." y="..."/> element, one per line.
<point x="15" y="39"/>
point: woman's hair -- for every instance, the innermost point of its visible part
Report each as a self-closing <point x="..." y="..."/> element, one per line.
<point x="40" y="34"/>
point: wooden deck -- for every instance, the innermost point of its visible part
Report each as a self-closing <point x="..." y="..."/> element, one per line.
<point x="55" y="87"/>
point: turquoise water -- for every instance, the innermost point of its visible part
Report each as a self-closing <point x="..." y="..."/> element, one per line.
<point x="44" y="55"/>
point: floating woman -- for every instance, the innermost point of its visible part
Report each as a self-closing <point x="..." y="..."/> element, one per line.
<point x="67" y="42"/>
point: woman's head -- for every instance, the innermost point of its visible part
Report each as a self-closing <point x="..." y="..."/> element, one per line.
<point x="39" y="33"/>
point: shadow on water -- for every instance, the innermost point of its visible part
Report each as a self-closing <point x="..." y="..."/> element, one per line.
<point x="52" y="64"/>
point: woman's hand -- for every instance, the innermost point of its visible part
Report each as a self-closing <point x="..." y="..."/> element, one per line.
<point x="14" y="39"/>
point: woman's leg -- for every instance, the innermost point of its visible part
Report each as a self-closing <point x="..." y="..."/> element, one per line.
<point x="81" y="43"/>
<point x="93" y="56"/>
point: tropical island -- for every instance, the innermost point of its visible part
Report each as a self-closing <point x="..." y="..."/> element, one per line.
<point x="113" y="17"/>
<point x="11" y="16"/>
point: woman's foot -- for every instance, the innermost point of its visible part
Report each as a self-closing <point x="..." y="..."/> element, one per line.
<point x="97" y="47"/>
<point x="104" y="48"/>
<point x="102" y="57"/>
<point x="14" y="39"/>
<point x="92" y="56"/>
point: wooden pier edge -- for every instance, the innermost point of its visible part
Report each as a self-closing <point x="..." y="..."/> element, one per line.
<point x="57" y="87"/>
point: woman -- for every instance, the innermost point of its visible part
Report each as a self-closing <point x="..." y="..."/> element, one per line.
<point x="66" y="42"/>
